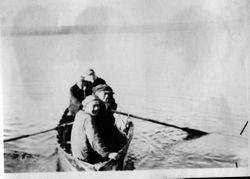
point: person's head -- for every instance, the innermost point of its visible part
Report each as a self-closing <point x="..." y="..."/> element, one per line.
<point x="103" y="92"/>
<point x="90" y="75"/>
<point x="80" y="81"/>
<point x="92" y="105"/>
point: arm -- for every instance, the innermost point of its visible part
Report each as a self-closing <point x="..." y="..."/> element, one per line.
<point x="77" y="93"/>
<point x="88" y="88"/>
<point x="72" y="90"/>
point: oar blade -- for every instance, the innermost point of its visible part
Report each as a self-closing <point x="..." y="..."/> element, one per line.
<point x="193" y="133"/>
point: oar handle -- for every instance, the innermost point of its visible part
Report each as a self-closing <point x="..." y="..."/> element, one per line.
<point x="146" y="119"/>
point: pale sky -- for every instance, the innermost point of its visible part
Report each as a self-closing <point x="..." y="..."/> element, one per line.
<point x="134" y="12"/>
<point x="198" y="43"/>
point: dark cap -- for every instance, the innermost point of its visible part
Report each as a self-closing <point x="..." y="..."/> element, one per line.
<point x="82" y="78"/>
<point x="103" y="87"/>
<point x="90" y="72"/>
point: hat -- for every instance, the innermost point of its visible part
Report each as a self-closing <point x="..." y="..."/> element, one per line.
<point x="88" y="99"/>
<point x="90" y="72"/>
<point x="103" y="87"/>
<point x="82" y="78"/>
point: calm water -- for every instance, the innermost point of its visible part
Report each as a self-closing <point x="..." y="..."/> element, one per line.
<point x="169" y="83"/>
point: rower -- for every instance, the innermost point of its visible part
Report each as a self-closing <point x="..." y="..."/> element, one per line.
<point x="95" y="80"/>
<point x="78" y="92"/>
<point x="105" y="93"/>
<point x="91" y="141"/>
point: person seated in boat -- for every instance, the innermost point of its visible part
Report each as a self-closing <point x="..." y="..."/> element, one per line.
<point x="78" y="93"/>
<point x="105" y="94"/>
<point x="92" y="140"/>
<point x="95" y="80"/>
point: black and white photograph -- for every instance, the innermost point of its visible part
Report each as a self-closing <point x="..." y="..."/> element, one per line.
<point x="123" y="87"/>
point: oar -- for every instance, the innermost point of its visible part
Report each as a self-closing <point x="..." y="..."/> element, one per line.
<point x="36" y="133"/>
<point x="192" y="133"/>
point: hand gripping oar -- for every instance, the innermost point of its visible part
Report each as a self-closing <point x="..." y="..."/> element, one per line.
<point x="192" y="133"/>
<point x="36" y="133"/>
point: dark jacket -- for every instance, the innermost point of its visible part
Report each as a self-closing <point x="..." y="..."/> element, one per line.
<point x="81" y="93"/>
<point x="98" y="81"/>
<point x="109" y="106"/>
<point x="78" y="95"/>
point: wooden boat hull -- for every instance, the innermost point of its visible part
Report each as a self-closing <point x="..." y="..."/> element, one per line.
<point x="67" y="162"/>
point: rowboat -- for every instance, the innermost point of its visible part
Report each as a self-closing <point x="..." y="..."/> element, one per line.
<point x="67" y="162"/>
